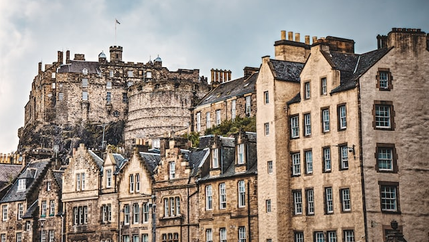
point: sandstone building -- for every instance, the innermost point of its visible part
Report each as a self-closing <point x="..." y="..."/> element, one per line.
<point x="342" y="125"/>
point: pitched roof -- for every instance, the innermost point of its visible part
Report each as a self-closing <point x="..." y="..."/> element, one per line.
<point x="31" y="209"/>
<point x="8" y="172"/>
<point x="234" y="88"/>
<point x="78" y="66"/>
<point x="196" y="158"/>
<point x="151" y="160"/>
<point x="286" y="70"/>
<point x="38" y="169"/>
<point x="97" y="159"/>
<point x="119" y="160"/>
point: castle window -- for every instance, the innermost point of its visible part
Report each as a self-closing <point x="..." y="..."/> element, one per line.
<point x="108" y="178"/>
<point x="208" y="120"/>
<point x="20" y="211"/>
<point x="172" y="170"/>
<point x="342" y="117"/>
<point x="148" y="74"/>
<point x="84" y="82"/>
<point x="209" y="202"/>
<point x="297" y="201"/>
<point x="248" y="106"/>
<point x="51" y="208"/>
<point x="241" y="194"/>
<point x="215" y="158"/>
<point x="84" y="96"/>
<point x="384" y="79"/>
<point x="222" y="196"/>
<point x="294" y="126"/>
<point x="109" y="97"/>
<point x="307" y="91"/>
<point x="324" y="86"/>
<point x="109" y="85"/>
<point x="130" y="74"/>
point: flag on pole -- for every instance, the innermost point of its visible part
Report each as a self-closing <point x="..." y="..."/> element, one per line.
<point x="117" y="21"/>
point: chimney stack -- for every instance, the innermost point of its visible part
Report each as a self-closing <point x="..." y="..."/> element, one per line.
<point x="68" y="57"/>
<point x="307" y="39"/>
<point x="60" y="57"/>
<point x="40" y="67"/>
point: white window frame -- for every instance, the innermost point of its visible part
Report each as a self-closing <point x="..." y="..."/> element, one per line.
<point x="241" y="156"/>
<point x="215" y="155"/>
<point x="3" y="237"/>
<point x="166" y="207"/>
<point x="307" y="124"/>
<point x="307" y="90"/>
<point x="84" y="95"/>
<point x="319" y="236"/>
<point x="248" y="105"/>
<point x="44" y="209"/>
<point x="136" y="213"/>
<point x="297" y="202"/>
<point x="177" y="199"/>
<point x="19" y="237"/>
<point x="208" y="123"/>
<point x="218" y="117"/>
<point x="266" y="129"/>
<point x="384" y="79"/>
<point x="51" y="235"/>
<point x="345" y="199"/>
<point x="327" y="164"/>
<point x="78" y="182"/>
<point x="308" y="161"/>
<point x="22" y="185"/>
<point x="233" y="109"/>
<point x="385" y="158"/>
<point x="85" y="82"/>
<point x="324" y="86"/>
<point x="329" y="200"/>
<point x="108" y="84"/>
<point x="241" y="234"/>
<point x="222" y="235"/>
<point x="266" y="97"/>
<point x="389" y="198"/>
<point x="108" y="178"/>
<point x="294" y="126"/>
<point x="325" y="120"/>
<point x="349" y="236"/>
<point x="299" y="237"/>
<point x="383" y="116"/>
<point x="241" y="194"/>
<point x="209" y="197"/>
<point x="342" y="115"/>
<point x="137" y="180"/>
<point x="126" y="214"/>
<point x="222" y="196"/>
<point x="82" y="176"/>
<point x="145" y="213"/>
<point x="209" y="235"/>
<point x="296" y="164"/>
<point x="198" y="121"/>
<point x="51" y="207"/>
<point x="310" y="201"/>
<point x="20" y="211"/>
<point x="331" y="236"/>
<point x="172" y="169"/>
<point x="344" y="157"/>
<point x="131" y="179"/>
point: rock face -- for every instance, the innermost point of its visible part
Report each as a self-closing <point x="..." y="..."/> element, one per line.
<point x="70" y="102"/>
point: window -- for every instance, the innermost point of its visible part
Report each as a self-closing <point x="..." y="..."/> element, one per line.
<point x="172" y="170"/>
<point x="124" y="97"/>
<point x="310" y="201"/>
<point x="209" y="197"/>
<point x="222" y="196"/>
<point x="126" y="214"/>
<point x="22" y="185"/>
<point x="84" y="82"/>
<point x="342" y="117"/>
<point x="209" y="235"/>
<point x="267" y="129"/>
<point x="108" y="97"/>
<point x="241" y="234"/>
<point x="19" y="237"/>
<point x="248" y="106"/>
<point x="3" y="237"/>
<point x="297" y="202"/>
<point x="136" y="238"/>
<point x="386" y="158"/>
<point x="319" y="236"/>
<point x="345" y="199"/>
<point x="27" y="226"/>
<point x="218" y="117"/>
<point x="208" y="124"/>
<point x="308" y="162"/>
<point x="48" y="186"/>
<point x="270" y="167"/>
<point x="266" y="97"/>
<point x="131" y="183"/>
<point x="240" y="157"/>
<point x="268" y="205"/>
<point x="326" y="159"/>
<point x="383" y="117"/>
<point x="177" y="205"/>
<point x="384" y="79"/>
<point x="215" y="158"/>
<point x="111" y="73"/>
<point x="307" y="91"/>
<point x="84" y="96"/>
<point x="172" y="206"/>
<point x="325" y="120"/>
<point x="126" y="238"/>
<point x="80" y="215"/>
<point x="198" y="122"/>
<point x="323" y="86"/>
<point x="307" y="124"/>
<point x="20" y="211"/>
<point x="109" y="85"/>
<point x="137" y="182"/>
<point x="294" y="126"/>
<point x="233" y="109"/>
<point x="44" y="209"/>
<point x="51" y="208"/>
<point x="166" y="207"/>
<point x="222" y="234"/>
<point x="145" y="238"/>
<point x="145" y="212"/>
<point x="106" y="213"/>
<point x="108" y="178"/>
<point x="344" y="157"/>
<point x="329" y="203"/>
<point x="136" y="213"/>
<point x="82" y="176"/>
<point x="60" y="96"/>
<point x="332" y="236"/>
<point x="148" y="74"/>
<point x="296" y="164"/>
<point x="349" y="236"/>
<point x="298" y="236"/>
<point x="51" y="235"/>
<point x="43" y="236"/>
<point x="389" y="198"/>
<point x="241" y="194"/>
<point x="130" y="74"/>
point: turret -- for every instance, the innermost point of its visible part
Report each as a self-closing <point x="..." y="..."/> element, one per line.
<point x="116" y="53"/>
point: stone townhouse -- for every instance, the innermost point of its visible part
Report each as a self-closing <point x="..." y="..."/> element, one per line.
<point x="90" y="196"/>
<point x="19" y="217"/>
<point x="136" y="203"/>
<point x="228" y="100"/>
<point x="148" y="97"/>
<point x="228" y="205"/>
<point x="348" y="127"/>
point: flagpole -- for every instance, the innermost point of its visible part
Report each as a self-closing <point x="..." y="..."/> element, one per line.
<point x="115" y="31"/>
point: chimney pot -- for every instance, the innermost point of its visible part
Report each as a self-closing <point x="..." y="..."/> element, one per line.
<point x="297" y="37"/>
<point x="290" y="35"/>
<point x="314" y="39"/>
<point x="307" y="39"/>
<point x="283" y="34"/>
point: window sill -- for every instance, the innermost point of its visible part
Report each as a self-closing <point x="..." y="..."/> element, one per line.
<point x="171" y="217"/>
<point x="391" y="212"/>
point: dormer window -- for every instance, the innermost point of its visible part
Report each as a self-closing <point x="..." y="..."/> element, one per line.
<point x="108" y="178"/>
<point x="215" y="158"/>
<point x="240" y="158"/>
<point x="22" y="185"/>
<point x="172" y="169"/>
<point x="48" y="186"/>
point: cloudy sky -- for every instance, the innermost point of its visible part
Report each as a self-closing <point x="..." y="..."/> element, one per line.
<point x="194" y="34"/>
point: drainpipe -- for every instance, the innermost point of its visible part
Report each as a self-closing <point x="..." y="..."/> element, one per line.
<point x="153" y="218"/>
<point x="248" y="211"/>
<point x="119" y="221"/>
<point x="189" y="205"/>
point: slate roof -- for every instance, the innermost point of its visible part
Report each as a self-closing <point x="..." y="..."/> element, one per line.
<point x="97" y="159"/>
<point x="234" y="88"/>
<point x="120" y="161"/>
<point x="295" y="99"/>
<point x="151" y="160"/>
<point x="58" y="177"/>
<point x="77" y="67"/>
<point x="12" y="194"/>
<point x="286" y="70"/>
<point x="31" y="209"/>
<point x="8" y="172"/>
<point x="196" y="158"/>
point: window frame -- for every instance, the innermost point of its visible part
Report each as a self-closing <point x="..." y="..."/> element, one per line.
<point x="222" y="196"/>
<point x="346" y="201"/>
<point x="309" y="198"/>
<point x="172" y="170"/>
<point x="391" y="185"/>
<point x="248" y="105"/>
<point x="241" y="157"/>
<point x="127" y="214"/>
<point x="215" y="158"/>
<point x="297" y="202"/>
<point x="266" y="97"/>
<point x="391" y="115"/>
<point x="389" y="83"/>
<point x="198" y="122"/>
<point x="308" y="157"/>
<point x="266" y="129"/>
<point x="208" y="120"/>
<point x="218" y="117"/>
<point x="327" y="161"/>
<point x="108" y="178"/>
<point x="307" y="124"/>
<point x="296" y="166"/>
<point x="270" y="167"/>
<point x="233" y="109"/>
<point x="342" y="116"/>
<point x="294" y="126"/>
<point x="268" y="205"/>
<point x="343" y="156"/>
<point x="307" y="90"/>
<point x="323" y="86"/>
<point x="209" y="235"/>
<point x="209" y="197"/>
<point x="326" y="120"/>
<point x="348" y="235"/>
<point x="298" y="236"/>
<point x="242" y="234"/>
<point x="393" y="158"/>
<point x="329" y="200"/>
<point x="241" y="187"/>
